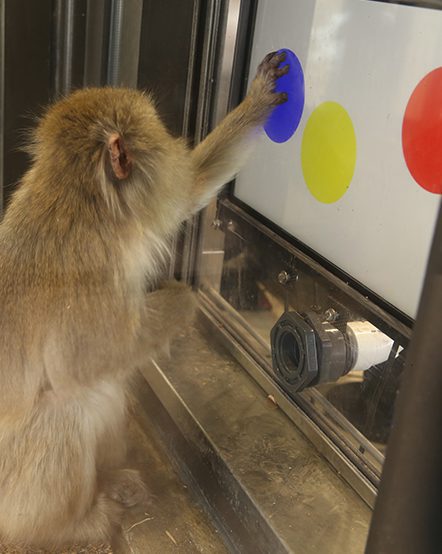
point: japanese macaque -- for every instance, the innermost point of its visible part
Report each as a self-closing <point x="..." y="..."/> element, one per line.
<point x="80" y="253"/>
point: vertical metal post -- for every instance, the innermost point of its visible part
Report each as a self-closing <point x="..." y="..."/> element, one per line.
<point x="223" y="40"/>
<point x="190" y="225"/>
<point x="96" y="42"/>
<point x="64" y="45"/>
<point x="213" y="30"/>
<point x="407" y="515"/>
<point x="2" y="97"/>
<point x="124" y="42"/>
<point x="116" y="23"/>
<point x="196" y="9"/>
<point x="224" y="79"/>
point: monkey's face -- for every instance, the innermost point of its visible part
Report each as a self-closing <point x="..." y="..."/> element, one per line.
<point x="105" y="143"/>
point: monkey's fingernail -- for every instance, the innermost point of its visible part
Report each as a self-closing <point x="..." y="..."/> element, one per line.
<point x="282" y="97"/>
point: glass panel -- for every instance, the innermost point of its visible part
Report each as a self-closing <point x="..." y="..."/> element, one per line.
<point x="321" y="283"/>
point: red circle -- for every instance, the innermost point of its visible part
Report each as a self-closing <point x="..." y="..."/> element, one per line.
<point x="422" y="132"/>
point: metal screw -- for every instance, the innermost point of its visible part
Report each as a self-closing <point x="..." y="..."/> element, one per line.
<point x="217" y="224"/>
<point x="230" y="225"/>
<point x="284" y="277"/>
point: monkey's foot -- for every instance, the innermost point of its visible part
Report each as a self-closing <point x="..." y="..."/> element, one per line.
<point x="126" y="487"/>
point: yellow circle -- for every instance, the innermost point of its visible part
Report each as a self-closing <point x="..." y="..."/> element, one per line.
<point x="328" y="152"/>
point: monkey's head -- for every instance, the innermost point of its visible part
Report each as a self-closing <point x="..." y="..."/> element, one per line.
<point x="105" y="144"/>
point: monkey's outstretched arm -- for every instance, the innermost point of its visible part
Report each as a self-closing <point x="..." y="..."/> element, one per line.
<point x="220" y="156"/>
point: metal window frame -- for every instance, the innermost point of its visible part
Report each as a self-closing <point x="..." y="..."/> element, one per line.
<point x="2" y="97"/>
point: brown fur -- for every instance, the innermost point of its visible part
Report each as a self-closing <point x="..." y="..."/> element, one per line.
<point x="81" y="243"/>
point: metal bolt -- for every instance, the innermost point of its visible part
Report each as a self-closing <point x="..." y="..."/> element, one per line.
<point x="331" y="315"/>
<point x="217" y="224"/>
<point x="230" y="225"/>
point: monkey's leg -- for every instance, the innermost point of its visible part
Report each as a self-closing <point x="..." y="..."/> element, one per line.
<point x="167" y="311"/>
<point x="112" y="443"/>
<point x="49" y="488"/>
<point x="219" y="157"/>
<point x="100" y="524"/>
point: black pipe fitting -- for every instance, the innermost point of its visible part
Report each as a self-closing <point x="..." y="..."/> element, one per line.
<point x="307" y="351"/>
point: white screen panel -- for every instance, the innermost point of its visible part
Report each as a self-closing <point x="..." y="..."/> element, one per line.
<point x="368" y="57"/>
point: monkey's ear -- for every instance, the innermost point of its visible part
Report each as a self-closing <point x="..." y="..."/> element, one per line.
<point x="120" y="161"/>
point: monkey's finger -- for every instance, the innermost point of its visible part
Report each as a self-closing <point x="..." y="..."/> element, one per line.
<point x="266" y="63"/>
<point x="280" y="98"/>
<point x="280" y="71"/>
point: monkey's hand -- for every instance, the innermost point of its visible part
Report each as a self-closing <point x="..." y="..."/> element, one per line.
<point x="262" y="92"/>
<point x="218" y="158"/>
<point x="178" y="302"/>
<point x="167" y="311"/>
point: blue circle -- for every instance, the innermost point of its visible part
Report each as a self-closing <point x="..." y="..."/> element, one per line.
<point x="285" y="118"/>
